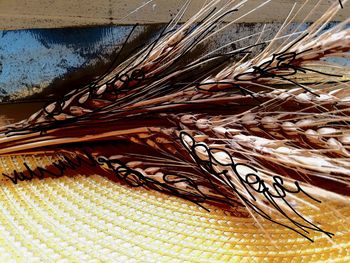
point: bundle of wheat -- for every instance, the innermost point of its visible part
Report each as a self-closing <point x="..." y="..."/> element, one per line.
<point x="215" y="130"/>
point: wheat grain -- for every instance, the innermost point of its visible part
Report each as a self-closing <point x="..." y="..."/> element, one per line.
<point x="193" y="129"/>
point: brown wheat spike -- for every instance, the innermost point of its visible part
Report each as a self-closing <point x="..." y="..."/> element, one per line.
<point x="214" y="130"/>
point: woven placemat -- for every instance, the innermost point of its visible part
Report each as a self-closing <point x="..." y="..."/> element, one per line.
<point x="85" y="217"/>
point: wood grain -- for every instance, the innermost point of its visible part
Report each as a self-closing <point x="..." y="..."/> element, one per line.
<point x="18" y="14"/>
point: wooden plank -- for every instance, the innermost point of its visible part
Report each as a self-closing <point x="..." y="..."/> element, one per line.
<point x="18" y="14"/>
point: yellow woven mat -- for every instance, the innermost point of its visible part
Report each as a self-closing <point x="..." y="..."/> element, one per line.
<point x="84" y="217"/>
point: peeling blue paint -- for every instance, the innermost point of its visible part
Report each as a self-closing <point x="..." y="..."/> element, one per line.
<point x="33" y="58"/>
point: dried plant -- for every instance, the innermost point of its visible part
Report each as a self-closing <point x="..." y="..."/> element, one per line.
<point x="215" y="130"/>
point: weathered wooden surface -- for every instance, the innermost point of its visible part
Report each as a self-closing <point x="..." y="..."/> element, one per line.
<point x="47" y="61"/>
<point x="15" y="14"/>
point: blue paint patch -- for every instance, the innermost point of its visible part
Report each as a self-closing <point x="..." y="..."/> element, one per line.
<point x="31" y="59"/>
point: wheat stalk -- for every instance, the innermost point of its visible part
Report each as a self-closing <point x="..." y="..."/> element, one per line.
<point x="192" y="129"/>
<point x="285" y="63"/>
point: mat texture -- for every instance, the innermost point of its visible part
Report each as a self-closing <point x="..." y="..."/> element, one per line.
<point x="85" y="217"/>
